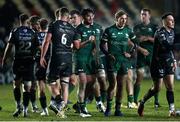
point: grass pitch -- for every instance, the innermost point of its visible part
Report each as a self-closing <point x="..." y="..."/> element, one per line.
<point x="150" y="114"/>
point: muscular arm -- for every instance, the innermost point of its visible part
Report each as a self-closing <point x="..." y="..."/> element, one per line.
<point x="44" y="48"/>
<point x="104" y="48"/>
<point x="7" y="52"/>
<point x="79" y="44"/>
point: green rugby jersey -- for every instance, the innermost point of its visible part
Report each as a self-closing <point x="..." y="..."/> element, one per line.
<point x="145" y="30"/>
<point x="83" y="34"/>
<point x="117" y="39"/>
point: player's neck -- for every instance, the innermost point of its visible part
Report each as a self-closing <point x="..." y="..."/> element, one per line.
<point x="24" y="24"/>
<point x="146" y="22"/>
<point x="168" y="29"/>
<point x="63" y="18"/>
<point x="87" y="24"/>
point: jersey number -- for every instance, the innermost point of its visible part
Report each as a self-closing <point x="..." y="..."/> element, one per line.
<point x="24" y="45"/>
<point x="64" y="39"/>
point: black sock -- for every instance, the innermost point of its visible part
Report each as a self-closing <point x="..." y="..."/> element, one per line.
<point x="148" y="95"/>
<point x="33" y="96"/>
<point x="98" y="99"/>
<point x="52" y="98"/>
<point x="118" y="106"/>
<point x="43" y="103"/>
<point x="170" y="97"/>
<point x="17" y="96"/>
<point x="58" y="99"/>
<point x="26" y="97"/>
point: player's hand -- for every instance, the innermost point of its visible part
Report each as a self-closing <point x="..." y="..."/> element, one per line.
<point x="143" y="38"/>
<point x="144" y="52"/>
<point x="127" y="55"/>
<point x="178" y="64"/>
<point x="92" y="38"/>
<point x="111" y="57"/>
<point x="174" y="66"/>
<point x="43" y="62"/>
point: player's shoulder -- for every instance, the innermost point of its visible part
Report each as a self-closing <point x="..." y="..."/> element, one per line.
<point x="97" y="25"/>
<point x="137" y="25"/>
<point x="160" y="31"/>
<point x="110" y="27"/>
<point x="23" y="29"/>
<point x="80" y="27"/>
<point x="153" y="25"/>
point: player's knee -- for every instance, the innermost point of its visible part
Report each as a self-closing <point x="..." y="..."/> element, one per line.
<point x="42" y="93"/>
<point x="101" y="73"/>
<point x="65" y="81"/>
<point x="27" y="86"/>
<point x="140" y="71"/>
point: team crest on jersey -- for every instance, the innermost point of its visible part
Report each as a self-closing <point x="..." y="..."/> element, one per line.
<point x="42" y="34"/>
<point x="120" y="33"/>
<point x="64" y="23"/>
<point x="84" y="34"/>
<point x="97" y="30"/>
<point x="25" y="30"/>
<point x="150" y="29"/>
<point x="127" y="35"/>
<point x="114" y="35"/>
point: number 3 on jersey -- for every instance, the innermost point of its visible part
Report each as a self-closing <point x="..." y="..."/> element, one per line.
<point x="64" y="39"/>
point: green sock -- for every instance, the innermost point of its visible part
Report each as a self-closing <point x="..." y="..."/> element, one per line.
<point x="136" y="92"/>
<point x="130" y="98"/>
<point x="103" y="96"/>
<point x="156" y="98"/>
<point x="109" y="104"/>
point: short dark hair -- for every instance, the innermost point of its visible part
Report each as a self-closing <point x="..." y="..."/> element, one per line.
<point x="23" y="17"/>
<point x="146" y="9"/>
<point x="75" y="12"/>
<point x="164" y="16"/>
<point x="62" y="12"/>
<point x="86" y="11"/>
<point x="43" y="23"/>
<point x="34" y="19"/>
<point x="120" y="13"/>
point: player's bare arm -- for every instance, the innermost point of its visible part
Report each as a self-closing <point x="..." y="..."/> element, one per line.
<point x="44" y="49"/>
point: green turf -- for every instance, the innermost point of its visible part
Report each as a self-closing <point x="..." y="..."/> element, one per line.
<point x="8" y="107"/>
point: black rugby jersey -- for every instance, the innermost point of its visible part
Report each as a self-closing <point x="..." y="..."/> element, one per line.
<point x="163" y="44"/>
<point x="62" y="37"/>
<point x="25" y="41"/>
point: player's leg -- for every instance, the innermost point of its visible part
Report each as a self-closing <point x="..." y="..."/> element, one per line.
<point x="33" y="89"/>
<point x="151" y="92"/>
<point x="110" y="92"/>
<point x="101" y="76"/>
<point x="72" y="84"/>
<point x="99" y="104"/>
<point x="26" y="96"/>
<point x="16" y="88"/>
<point x="137" y="85"/>
<point x="121" y="79"/>
<point x="42" y="97"/>
<point x="129" y="90"/>
<point x="17" y="96"/>
<point x="169" y="83"/>
<point x="41" y="77"/>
